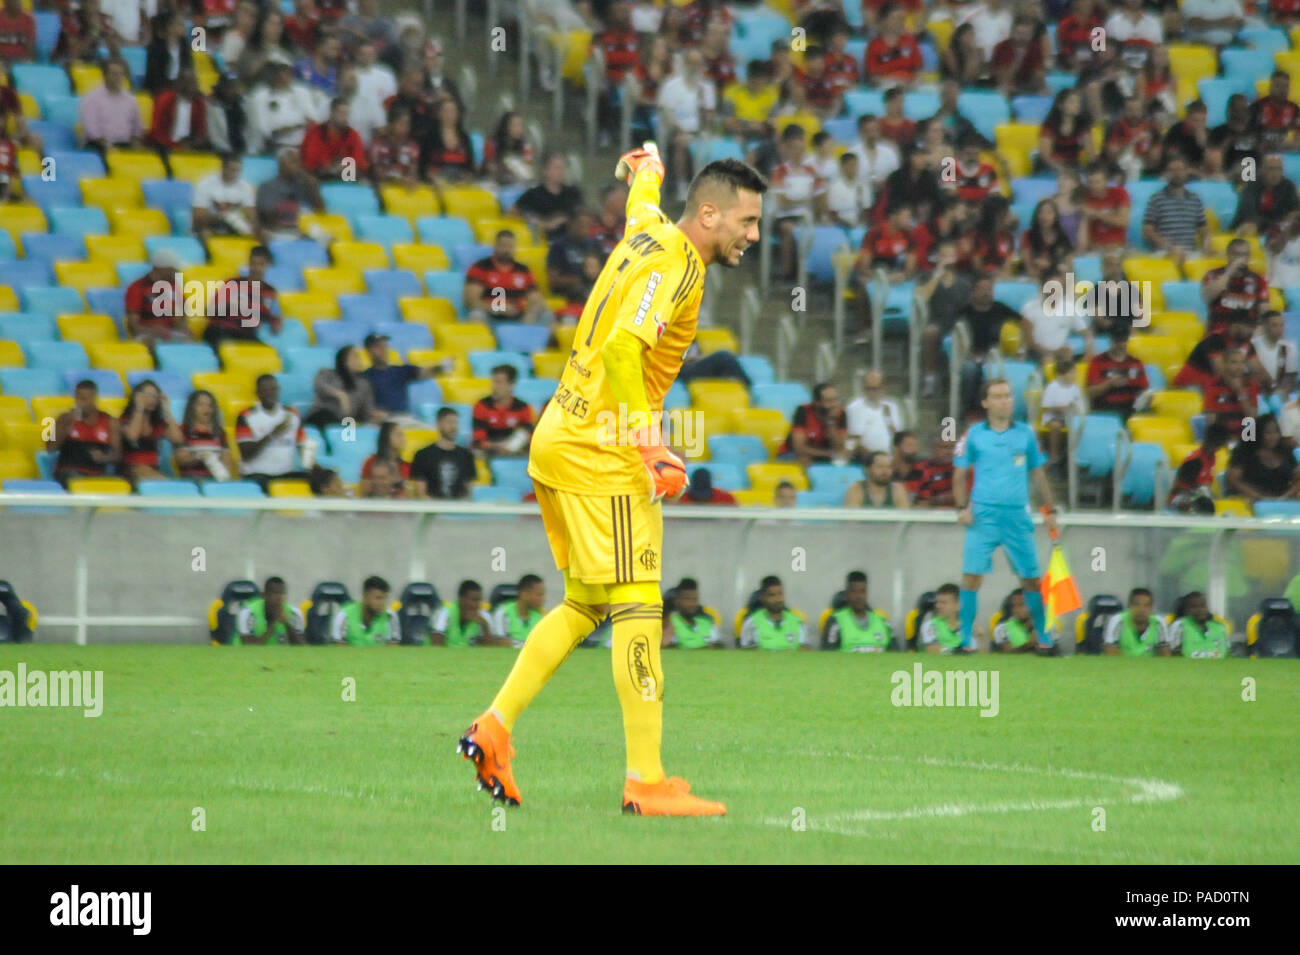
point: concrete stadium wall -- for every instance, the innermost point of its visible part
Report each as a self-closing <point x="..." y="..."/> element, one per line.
<point x="142" y="564"/>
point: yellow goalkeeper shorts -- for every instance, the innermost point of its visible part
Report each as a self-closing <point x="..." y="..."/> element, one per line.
<point x="603" y="540"/>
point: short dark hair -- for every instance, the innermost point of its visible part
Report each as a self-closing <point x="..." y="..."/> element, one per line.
<point x="687" y="583"/>
<point x="274" y="582"/>
<point x="792" y="132"/>
<point x="771" y="580"/>
<point x="468" y="587"/>
<point x="86" y="385"/>
<point x="375" y="583"/>
<point x="989" y="383"/>
<point x="820" y="137"/>
<point x="1196" y="106"/>
<point x="527" y="581"/>
<point x="893" y="93"/>
<point x="901" y="436"/>
<point x="951" y="589"/>
<point x="732" y="175"/>
<point x="1217" y="433"/>
<point x="819" y="389"/>
<point x="510" y="371"/>
<point x="1139" y="592"/>
<point x="872" y="455"/>
<point x="265" y="375"/>
<point x="444" y="411"/>
<point x="262" y="252"/>
<point x="854" y="577"/>
<point x="504" y="232"/>
<point x="1280" y="73"/>
<point x="848" y="157"/>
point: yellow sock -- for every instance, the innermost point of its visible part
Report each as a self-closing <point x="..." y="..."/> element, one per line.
<point x="639" y="681"/>
<point x="552" y="640"/>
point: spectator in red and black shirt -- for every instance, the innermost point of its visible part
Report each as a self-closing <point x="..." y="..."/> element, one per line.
<point x="893" y="56"/>
<point x="204" y="452"/>
<point x="994" y="237"/>
<point x="1116" y="378"/>
<point x="449" y="154"/>
<point x="1017" y="63"/>
<point x="17" y="33"/>
<point x="146" y="421"/>
<point x="1274" y="117"/>
<point x="914" y="183"/>
<point x="87" y="439"/>
<point x="1074" y="36"/>
<point x="719" y="64"/>
<point x="1233" y="290"/>
<point x="503" y="425"/>
<point x="697" y="15"/>
<point x="332" y="148"/>
<point x="816" y="90"/>
<point x="1065" y="138"/>
<point x="894" y="125"/>
<point x="818" y="431"/>
<point x="1263" y="205"/>
<point x="244" y="304"/>
<point x="935" y="486"/>
<point x="394" y="153"/>
<point x="1196" y="472"/>
<point x="1233" y="142"/>
<point x="888" y="246"/>
<point x="1205" y="363"/>
<point x="155" y="303"/>
<point x="1191" y="137"/>
<point x="1284" y="12"/>
<point x="1045" y="249"/>
<point x="391" y="444"/>
<point x="841" y="67"/>
<point x="974" y="179"/>
<point x="165" y="135"/>
<point x="1105" y="211"/>
<point x="502" y="288"/>
<point x="1134" y="142"/>
<point x="908" y="466"/>
<point x="1233" y="395"/>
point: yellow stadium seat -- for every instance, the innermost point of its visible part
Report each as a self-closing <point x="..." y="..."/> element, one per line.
<point x="141" y="223"/>
<point x="1288" y="61"/>
<point x="716" y="339"/>
<point x="309" y="306"/>
<point x="487" y="227"/>
<point x="535" y="258"/>
<point x="112" y="193"/>
<point x="1177" y="325"/>
<point x="465" y="337"/>
<point x="767" y="423"/>
<point x="1220" y="242"/>
<point x="427" y="311"/>
<point x="145" y="102"/>
<point x="1177" y="403"/>
<point x="121" y="357"/>
<point x="1192" y="61"/>
<point x="1159" y="350"/>
<point x="1164" y="431"/>
<point x="14" y="408"/>
<point x="134" y="164"/>
<point x="191" y="167"/>
<point x="113" y="407"/>
<point x="411" y="204"/>
<point x="564" y="335"/>
<point x="1016" y="142"/>
<point x="340" y="280"/>
<point x="250" y="358"/>
<point x="574" y="46"/>
<point x="451" y="364"/>
<point x="8" y="299"/>
<point x="467" y="391"/>
<point x="115" y="248"/>
<point x="1266" y="562"/>
<point x="941" y="30"/>
<point x="549" y="364"/>
<point x="88" y="329"/>
<point x="470" y="203"/>
<point x="25" y="437"/>
<point x="1276" y="300"/>
<point x="11" y="355"/>
<point x="85" y="77"/>
<point x="20" y="219"/>
<point x="753" y="498"/>
<point x="230" y="251"/>
<point x="17" y="464"/>
<point x="718" y="396"/>
<point x="1195" y="269"/>
<point x="231" y="409"/>
<point x="30" y="162"/>
<point x="335" y="226"/>
<point x="1153" y="270"/>
<point x="767" y="475"/>
<point x="84" y="275"/>
<point x="51" y="406"/>
<point x="99" y="485"/>
<point x="360" y="255"/>
<point x="288" y="487"/>
<point x="226" y="386"/>
<point x="420" y="258"/>
<point x="30" y="108"/>
<point x="1233" y="507"/>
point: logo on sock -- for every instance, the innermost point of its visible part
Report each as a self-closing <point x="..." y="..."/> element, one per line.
<point x="640" y="669"/>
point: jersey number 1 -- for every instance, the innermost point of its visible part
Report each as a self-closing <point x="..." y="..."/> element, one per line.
<point x="601" y="307"/>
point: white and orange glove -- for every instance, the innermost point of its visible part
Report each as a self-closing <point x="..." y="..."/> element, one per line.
<point x="630" y="164"/>
<point x="666" y="470"/>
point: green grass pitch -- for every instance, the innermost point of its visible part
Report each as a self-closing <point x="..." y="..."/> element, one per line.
<point x="286" y="771"/>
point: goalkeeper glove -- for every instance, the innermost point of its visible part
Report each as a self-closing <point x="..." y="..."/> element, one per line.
<point x="647" y="157"/>
<point x="666" y="470"/>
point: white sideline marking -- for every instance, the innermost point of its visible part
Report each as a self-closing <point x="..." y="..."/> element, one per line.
<point x="1147" y="791"/>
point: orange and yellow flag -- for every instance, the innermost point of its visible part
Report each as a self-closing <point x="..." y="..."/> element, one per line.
<point x="1060" y="596"/>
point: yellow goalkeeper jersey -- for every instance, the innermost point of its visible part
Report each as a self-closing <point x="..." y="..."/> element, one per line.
<point x="651" y="286"/>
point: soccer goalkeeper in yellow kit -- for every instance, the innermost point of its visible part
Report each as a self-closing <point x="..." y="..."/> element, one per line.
<point x="600" y="475"/>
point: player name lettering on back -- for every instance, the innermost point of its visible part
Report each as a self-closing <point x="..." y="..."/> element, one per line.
<point x="571" y="402"/>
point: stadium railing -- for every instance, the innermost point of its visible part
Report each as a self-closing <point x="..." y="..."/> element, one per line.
<point x="902" y="547"/>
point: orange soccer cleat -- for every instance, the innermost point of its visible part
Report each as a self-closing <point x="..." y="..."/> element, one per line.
<point x="631" y="163"/>
<point x="670" y="797"/>
<point x="487" y="744"/>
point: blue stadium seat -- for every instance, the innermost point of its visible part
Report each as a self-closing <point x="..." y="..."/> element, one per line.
<point x="481" y="363"/>
<point x="396" y="283"/>
<point x="818" y="499"/>
<point x="296" y="389"/>
<point x="166" y="193"/>
<point x="858" y="102"/>
<point x="1262" y="508"/>
<point x="726" y="476"/>
<point x="427" y="391"/>
<point x="715" y="148"/>
<point x="51" y="193"/>
<point x="1139" y="482"/>
<point x="349" y="199"/>
<point x="678" y="397"/>
<point x="298" y="253"/>
<point x="45" y="461"/>
<point x="445" y="231"/>
<point x="50" y="247"/>
<point x="59" y="356"/>
<point x="50" y="299"/>
<point x="1155" y="377"/>
<point x="758" y="368"/>
<point x="1087" y="268"/>
<point x="448" y="285"/>
<point x="8" y="248"/>
<point x="108" y="382"/>
<point x="181" y="219"/>
<point x="404" y="336"/>
<point x="32" y="486"/>
<point x="136" y="58"/>
<point x="368" y="310"/>
<point x="285" y="278"/>
<point x="463" y="256"/>
<point x="535" y="391"/>
<point x="169" y="489"/>
<point x="511" y="472"/>
<point x="128" y="272"/>
<point x="738" y="450"/>
<point x="1217" y="196"/>
<point x="334" y="335"/>
<point x="1017" y="373"/>
<point x="1215" y="91"/>
<point x="48" y="29"/>
<point x="785" y="396"/>
<point x="518" y="337"/>
<point x="1184" y="297"/>
<point x="491" y="494"/>
<point x="1244" y="67"/>
<point x="232" y="490"/>
<point x="843" y="129"/>
<point x="38" y="79"/>
<point x="30" y="382"/>
<point x="307" y="359"/>
<point x="78" y="164"/>
<point x="60" y="108"/>
<point x="1030" y="109"/>
<point x="75" y="220"/>
<point x="1096" y="449"/>
<point x="292" y="334"/>
<point x="349" y="457"/>
<point x="365" y="437"/>
<point x="1014" y="294"/>
<point x="834" y="479"/>
<point x="1032" y="189"/>
<point x="258" y="169"/>
<point x="985" y="109"/>
<point x="464" y="414"/>
<point x="920" y="104"/>
<point x="1265" y="40"/>
<point x="176" y="386"/>
<point x="826" y="241"/>
<point x="53" y="135"/>
<point x="185" y="247"/>
<point x="24" y="274"/>
<point x="23" y="327"/>
<point x="373" y="227"/>
<point x="186" y="359"/>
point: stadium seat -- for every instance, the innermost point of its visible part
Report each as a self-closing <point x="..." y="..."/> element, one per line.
<point x="1158" y="350"/>
<point x="334" y="281"/>
<point x="308" y="360"/>
<point x="288" y="487"/>
<point x="112" y="193"/>
<point x="823" y="245"/>
<point x="466" y="391"/>
<point x="834" y="479"/>
<point x="764" y="477"/>
<point x="1098" y="438"/>
<point x="536" y="391"/>
<point x="189" y="168"/>
<point x="1158" y="429"/>
<point x="394" y="283"/>
<point x="51" y="193"/>
<point x="298" y="253"/>
<point x="139" y="222"/>
<point x="30" y="382"/>
<point x="411" y="204"/>
<point x="1177" y="404"/>
<point x="493" y="494"/>
<point x="404" y="336"/>
<point x="470" y="203"/>
<point x="307" y="307"/>
<point x="59" y="356"/>
<point x="23" y="327"/>
<point x="51" y="247"/>
<point x="758" y="369"/>
<point x="249" y="359"/>
<point x="511" y="472"/>
<point x="135" y="165"/>
<point x="350" y="199"/>
<point x="360" y="255"/>
<point x="78" y="221"/>
<point x="185" y="247"/>
<point x="335" y="335"/>
<point x="518" y="337"/>
<point x="231" y="251"/>
<point x="11" y="355"/>
<point x="782" y="396"/>
<point x="1232" y="507"/>
<point x="768" y="424"/>
<point x="368" y="310"/>
<point x="717" y="398"/>
<point x="420" y="258"/>
<point x="185" y="359"/>
<point x="465" y="338"/>
<point x="481" y="363"/>
<point x="384" y="229"/>
<point x="87" y="329"/>
<point x="296" y="390"/>
<point x="1139" y="482"/>
<point x="447" y="232"/>
<point x="99" y="485"/>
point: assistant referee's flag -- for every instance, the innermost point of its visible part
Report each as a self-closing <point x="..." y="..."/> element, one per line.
<point x="1060" y="596"/>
